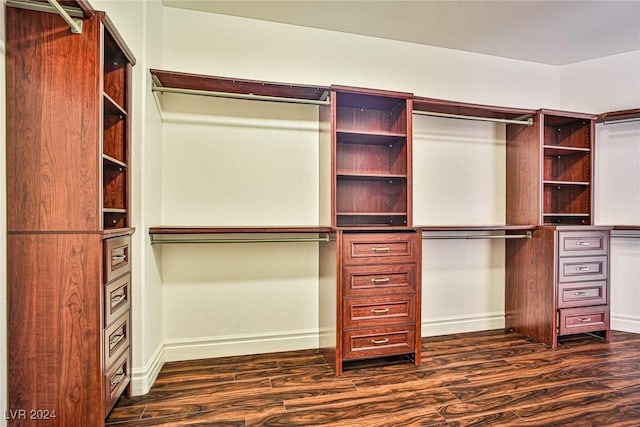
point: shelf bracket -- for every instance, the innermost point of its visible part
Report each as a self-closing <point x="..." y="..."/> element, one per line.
<point x="67" y="13"/>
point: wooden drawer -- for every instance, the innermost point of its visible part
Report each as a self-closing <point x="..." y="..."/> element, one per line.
<point x="379" y="279"/>
<point x="116" y="340"/>
<point x="117" y="299"/>
<point x="116" y="380"/>
<point x="580" y="269"/>
<point x="116" y="257"/>
<point x="580" y="294"/>
<point x="583" y="243"/>
<point x="584" y="319"/>
<point x="381" y="311"/>
<point x="376" y="248"/>
<point x="367" y="343"/>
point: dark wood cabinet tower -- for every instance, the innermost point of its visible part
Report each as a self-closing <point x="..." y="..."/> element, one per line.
<point x="557" y="283"/>
<point x="372" y="308"/>
<point x="69" y="222"/>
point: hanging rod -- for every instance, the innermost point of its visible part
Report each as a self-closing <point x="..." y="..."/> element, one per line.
<point x="67" y="13"/>
<point x="615" y="122"/>
<point x="233" y="95"/>
<point x="528" y="235"/>
<point x="324" y="238"/>
<point x="525" y="120"/>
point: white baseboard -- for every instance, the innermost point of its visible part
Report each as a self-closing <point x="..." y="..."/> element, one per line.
<point x="625" y="323"/>
<point x="234" y="345"/>
<point x="143" y="378"/>
<point x="458" y="324"/>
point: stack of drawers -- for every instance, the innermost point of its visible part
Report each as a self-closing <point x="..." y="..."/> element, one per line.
<point x="380" y="303"/>
<point x="582" y="285"/>
<point x="117" y="319"/>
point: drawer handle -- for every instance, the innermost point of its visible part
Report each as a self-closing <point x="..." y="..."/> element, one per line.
<point x="379" y="310"/>
<point x="583" y="243"/>
<point x="378" y="342"/>
<point x="581" y="293"/>
<point x="384" y="280"/>
<point x="116" y="299"/>
<point x="382" y="249"/>
<point x="116" y="259"/>
<point x="116" y="380"/>
<point x="115" y="340"/>
<point x="585" y="268"/>
<point x="584" y="319"/>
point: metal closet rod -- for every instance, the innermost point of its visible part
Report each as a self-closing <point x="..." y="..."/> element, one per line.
<point x="525" y="120"/>
<point x="232" y="95"/>
<point x="528" y="235"/>
<point x="324" y="238"/>
<point x="615" y="122"/>
<point x="53" y="7"/>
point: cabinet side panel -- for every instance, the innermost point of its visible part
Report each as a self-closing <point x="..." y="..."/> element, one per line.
<point x="523" y="170"/>
<point x="330" y="294"/>
<point x="529" y="289"/>
<point x="52" y="123"/>
<point x="325" y="168"/>
<point x="54" y="333"/>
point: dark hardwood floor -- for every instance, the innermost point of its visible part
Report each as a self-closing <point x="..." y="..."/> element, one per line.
<point x="494" y="378"/>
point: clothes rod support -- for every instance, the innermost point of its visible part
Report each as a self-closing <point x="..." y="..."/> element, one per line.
<point x="266" y="240"/>
<point x="526" y="122"/>
<point x="67" y="13"/>
<point x="477" y="236"/>
<point x="232" y="95"/>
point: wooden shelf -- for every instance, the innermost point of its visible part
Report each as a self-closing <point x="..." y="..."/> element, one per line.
<point x="214" y="234"/>
<point x="620" y="115"/>
<point x="114" y="162"/>
<point x="199" y="82"/>
<point x="370" y="137"/>
<point x="471" y="110"/>
<point x="561" y="183"/>
<point x="555" y="150"/>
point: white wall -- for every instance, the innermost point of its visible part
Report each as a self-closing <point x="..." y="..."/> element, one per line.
<point x="617" y="201"/>
<point x="227" y="163"/>
<point x="605" y="84"/>
<point x="3" y="221"/>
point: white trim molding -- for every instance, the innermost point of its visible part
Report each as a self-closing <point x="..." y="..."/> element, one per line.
<point x="458" y="324"/>
<point x="143" y="378"/>
<point x="234" y="345"/>
<point x="625" y="323"/>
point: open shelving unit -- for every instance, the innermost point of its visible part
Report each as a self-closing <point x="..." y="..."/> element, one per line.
<point x="372" y="158"/>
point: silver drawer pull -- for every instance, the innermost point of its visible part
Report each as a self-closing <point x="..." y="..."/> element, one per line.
<point x="116" y="380"/>
<point x="384" y="280"/>
<point x="379" y="310"/>
<point x="116" y="259"/>
<point x="115" y="340"/>
<point x="585" y="268"/>
<point x="581" y="293"/>
<point x="584" y="319"/>
<point x="116" y="299"/>
<point x="583" y="243"/>
<point x="378" y="342"/>
<point x="383" y="249"/>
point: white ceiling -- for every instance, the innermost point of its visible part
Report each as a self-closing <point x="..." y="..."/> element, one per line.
<point x="549" y="32"/>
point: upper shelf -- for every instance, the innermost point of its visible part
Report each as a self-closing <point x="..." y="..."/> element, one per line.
<point x="618" y="116"/>
<point x="171" y="81"/>
<point x="194" y="234"/>
<point x="451" y="109"/>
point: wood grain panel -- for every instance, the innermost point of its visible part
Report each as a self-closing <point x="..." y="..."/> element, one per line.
<point x="50" y="366"/>
<point x="52" y="124"/>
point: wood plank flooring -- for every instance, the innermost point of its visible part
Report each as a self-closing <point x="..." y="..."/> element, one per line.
<point x="489" y="378"/>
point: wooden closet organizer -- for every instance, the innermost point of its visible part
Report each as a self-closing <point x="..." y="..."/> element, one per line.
<point x="69" y="222"/>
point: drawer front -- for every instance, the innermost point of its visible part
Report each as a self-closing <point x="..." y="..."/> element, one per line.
<point x="116" y="340"/>
<point x="383" y="311"/>
<point x="360" y="344"/>
<point x="582" y="243"/>
<point x="117" y="299"/>
<point x="579" y="269"/>
<point x="117" y="379"/>
<point x="116" y="257"/>
<point x="379" y="279"/>
<point x="582" y="294"/>
<point x="375" y="248"/>
<point x="585" y="319"/>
